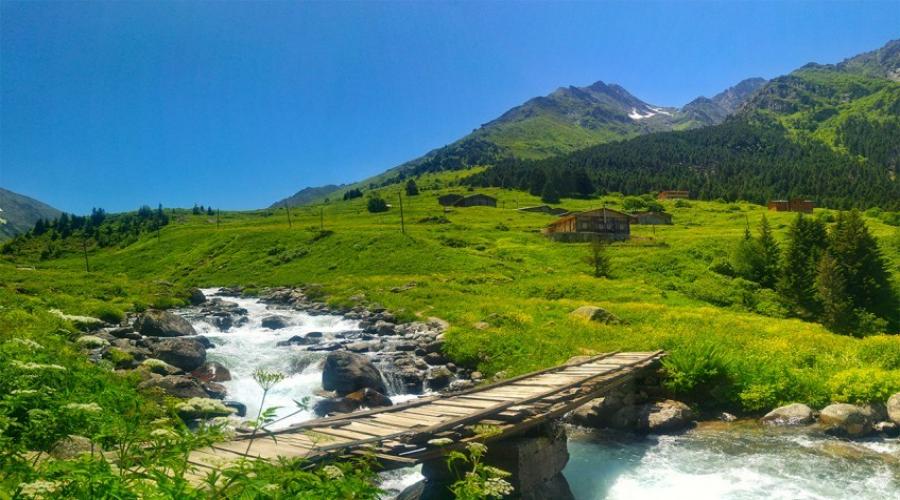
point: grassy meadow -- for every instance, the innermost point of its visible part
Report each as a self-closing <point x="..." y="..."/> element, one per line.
<point x="506" y="290"/>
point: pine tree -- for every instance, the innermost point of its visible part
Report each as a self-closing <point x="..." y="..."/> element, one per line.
<point x="807" y="240"/>
<point x="746" y="257"/>
<point x="583" y="185"/>
<point x="832" y="292"/>
<point x="536" y="182"/>
<point x="550" y="193"/>
<point x="411" y="188"/>
<point x="598" y="259"/>
<point x="770" y="255"/>
<point x="864" y="268"/>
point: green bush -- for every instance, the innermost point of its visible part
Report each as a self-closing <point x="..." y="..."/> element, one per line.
<point x="376" y="205"/>
<point x="699" y="373"/>
<point x="882" y="351"/>
<point x="864" y="385"/>
<point x="108" y="313"/>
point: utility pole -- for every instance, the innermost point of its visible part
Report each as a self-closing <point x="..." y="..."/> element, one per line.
<point x="402" y="225"/>
<point x="288" y="208"/>
<point x="87" y="266"/>
<point x="321" y="218"/>
<point x="217" y="218"/>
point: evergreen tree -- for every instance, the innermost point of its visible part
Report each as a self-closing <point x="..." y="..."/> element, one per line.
<point x="40" y="227"/>
<point x="209" y="211"/>
<point x="863" y="266"/>
<point x="832" y="292"/>
<point x="583" y="185"/>
<point x="411" y="188"/>
<point x="770" y="255"/>
<point x="807" y="240"/>
<point x="195" y="210"/>
<point x="376" y="204"/>
<point x="598" y="259"/>
<point x="536" y="182"/>
<point x="746" y="257"/>
<point x="550" y="193"/>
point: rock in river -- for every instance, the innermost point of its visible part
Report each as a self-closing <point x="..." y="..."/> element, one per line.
<point x="163" y="324"/>
<point x="893" y="408"/>
<point x="346" y="372"/>
<point x="274" y="322"/>
<point x="176" y="385"/>
<point x="792" y="414"/>
<point x="847" y="420"/>
<point x="187" y="354"/>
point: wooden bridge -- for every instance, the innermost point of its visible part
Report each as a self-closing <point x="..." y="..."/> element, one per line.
<point x="405" y="434"/>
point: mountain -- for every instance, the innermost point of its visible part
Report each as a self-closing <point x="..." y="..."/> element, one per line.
<point x="566" y="120"/>
<point x="18" y="213"/>
<point x="830" y="132"/>
<point x="307" y="195"/>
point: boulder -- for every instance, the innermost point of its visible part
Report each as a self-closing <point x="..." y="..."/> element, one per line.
<point x="889" y="429"/>
<point x="665" y="416"/>
<point x="846" y="420"/>
<point x="438" y="378"/>
<point x="215" y="390"/>
<point x="196" y="297"/>
<point x="160" y="367"/>
<point x="179" y="386"/>
<point x="792" y="414"/>
<point x="370" y="398"/>
<point x="332" y="406"/>
<point x="346" y="372"/>
<point x="155" y="323"/>
<point x="274" y="322"/>
<point x="298" y="340"/>
<point x="123" y="332"/>
<point x="594" y="313"/>
<point x="382" y="327"/>
<point x="239" y="408"/>
<point x="186" y="354"/>
<point x="71" y="446"/>
<point x="212" y="371"/>
<point x="435" y="358"/>
<point x="201" y="407"/>
<point x="893" y="408"/>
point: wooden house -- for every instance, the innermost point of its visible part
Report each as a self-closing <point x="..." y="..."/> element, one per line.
<point x="792" y="205"/>
<point x="651" y="218"/>
<point x="674" y="195"/>
<point x="477" y="200"/>
<point x="602" y="223"/>
<point x="448" y="200"/>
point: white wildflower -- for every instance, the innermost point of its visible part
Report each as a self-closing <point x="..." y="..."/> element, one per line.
<point x="35" y="367"/>
<point x="440" y="442"/>
<point x="332" y="472"/>
<point x="27" y="343"/>
<point x="164" y="434"/>
<point x="85" y="407"/>
<point x="495" y="487"/>
<point x="39" y="489"/>
<point x="24" y="392"/>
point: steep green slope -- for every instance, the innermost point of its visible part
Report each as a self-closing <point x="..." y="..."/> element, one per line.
<point x="307" y="195"/>
<point x="18" y="213"/>
<point x="830" y="132"/>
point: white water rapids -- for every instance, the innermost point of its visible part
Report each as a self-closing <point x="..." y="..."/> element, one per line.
<point x="721" y="461"/>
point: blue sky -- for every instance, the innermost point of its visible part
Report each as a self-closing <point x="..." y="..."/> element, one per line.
<point x="236" y="105"/>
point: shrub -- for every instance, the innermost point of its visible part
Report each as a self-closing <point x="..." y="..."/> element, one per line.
<point x="108" y="313"/>
<point x="882" y="351"/>
<point x="633" y="203"/>
<point x="723" y="267"/>
<point x="682" y="204"/>
<point x="376" y="205"/>
<point x="864" y="385"/>
<point x="698" y="373"/>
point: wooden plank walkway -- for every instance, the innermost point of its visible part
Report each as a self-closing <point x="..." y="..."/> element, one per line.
<point x="398" y="436"/>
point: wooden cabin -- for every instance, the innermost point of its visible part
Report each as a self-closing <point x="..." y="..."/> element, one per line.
<point x="448" y="200"/>
<point x="673" y="195"/>
<point x="792" y="205"/>
<point x="602" y="223"/>
<point x="477" y="200"/>
<point x="651" y="218"/>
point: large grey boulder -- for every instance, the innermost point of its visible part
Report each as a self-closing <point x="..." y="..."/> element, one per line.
<point x="155" y="323"/>
<point x="893" y="408"/>
<point x="847" y="420"/>
<point x="212" y="371"/>
<point x="665" y="416"/>
<point x="183" y="353"/>
<point x="176" y="385"/>
<point x="196" y="297"/>
<point x="346" y="372"/>
<point x="71" y="446"/>
<point x="594" y="313"/>
<point x="274" y="322"/>
<point x="792" y="414"/>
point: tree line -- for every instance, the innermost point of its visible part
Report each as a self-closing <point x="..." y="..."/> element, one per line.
<point x="837" y="277"/>
<point x="738" y="160"/>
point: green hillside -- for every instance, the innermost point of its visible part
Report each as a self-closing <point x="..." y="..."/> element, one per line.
<point x="506" y="290"/>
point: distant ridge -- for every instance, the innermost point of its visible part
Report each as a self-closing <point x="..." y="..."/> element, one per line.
<point x="20" y="212"/>
<point x="307" y="195"/>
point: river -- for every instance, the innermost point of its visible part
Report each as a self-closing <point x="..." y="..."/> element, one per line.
<point x="716" y="460"/>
